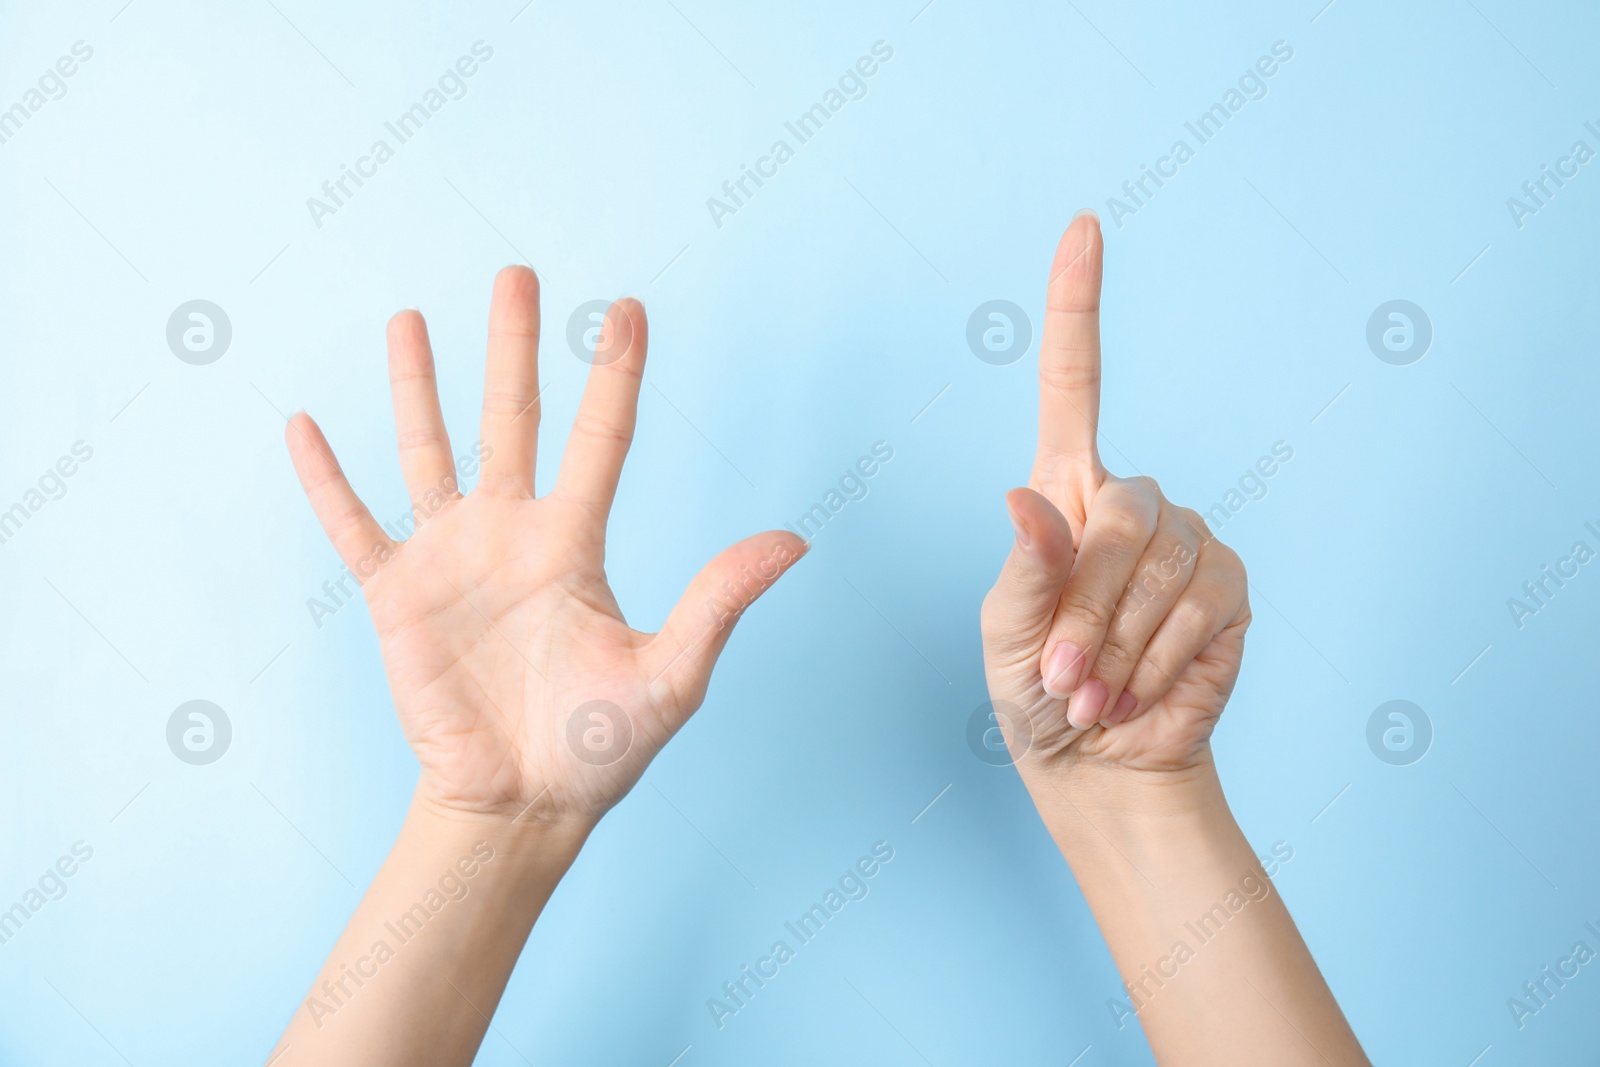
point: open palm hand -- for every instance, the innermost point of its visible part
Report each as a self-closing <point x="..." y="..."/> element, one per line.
<point x="517" y="681"/>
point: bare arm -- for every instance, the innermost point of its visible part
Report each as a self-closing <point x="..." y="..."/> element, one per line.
<point x="417" y="973"/>
<point x="530" y="703"/>
<point x="1213" y="966"/>
<point x="1112" y="640"/>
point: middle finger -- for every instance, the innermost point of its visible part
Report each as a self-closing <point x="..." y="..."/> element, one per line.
<point x="1121" y="521"/>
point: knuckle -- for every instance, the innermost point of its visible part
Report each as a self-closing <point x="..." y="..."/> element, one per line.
<point x="1231" y="564"/>
<point x="1146" y="585"/>
<point x="347" y="525"/>
<point x="418" y="437"/>
<point x="508" y="402"/>
<point x="411" y="374"/>
<point x="502" y="483"/>
<point x="1067" y="369"/>
<point x="989" y="614"/>
<point x="1114" y="661"/>
<point x="322" y="477"/>
<point x="1183" y="520"/>
<point x="512" y="331"/>
<point x="1123" y="527"/>
<point x="1193" y="522"/>
<point x="1170" y="555"/>
<point x="1124" y="533"/>
<point x="1084" y="615"/>
<point x="1153" y="676"/>
<point x="1128" y="623"/>
<point x="600" y="430"/>
<point x="1192" y="617"/>
<point x="1146" y="485"/>
<point x="630" y="368"/>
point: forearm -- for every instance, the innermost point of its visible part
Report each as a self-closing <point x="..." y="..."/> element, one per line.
<point x="1213" y="964"/>
<point x="421" y="966"/>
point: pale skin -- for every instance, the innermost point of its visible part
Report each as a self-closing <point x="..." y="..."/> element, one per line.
<point x="498" y="629"/>
<point x="1112" y="640"/>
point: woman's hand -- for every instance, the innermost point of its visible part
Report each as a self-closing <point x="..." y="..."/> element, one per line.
<point x="1111" y="641"/>
<point x="1115" y="630"/>
<point x="519" y="685"/>
<point x="516" y="679"/>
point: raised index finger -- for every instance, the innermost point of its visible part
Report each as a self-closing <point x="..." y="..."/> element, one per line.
<point x="1069" y="356"/>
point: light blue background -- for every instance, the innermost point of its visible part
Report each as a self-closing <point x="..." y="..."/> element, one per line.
<point x="818" y="320"/>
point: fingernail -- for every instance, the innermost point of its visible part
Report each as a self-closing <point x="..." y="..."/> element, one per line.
<point x="1061" y="670"/>
<point x="1078" y="244"/>
<point x="1087" y="703"/>
<point x="1082" y="211"/>
<point x="1017" y="524"/>
<point x="1125" y="704"/>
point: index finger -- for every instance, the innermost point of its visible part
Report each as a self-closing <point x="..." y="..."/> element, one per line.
<point x="1069" y="354"/>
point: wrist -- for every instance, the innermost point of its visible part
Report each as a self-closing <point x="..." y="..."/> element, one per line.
<point x="1117" y="790"/>
<point x="524" y="843"/>
<point x="449" y="800"/>
<point x="1099" y="813"/>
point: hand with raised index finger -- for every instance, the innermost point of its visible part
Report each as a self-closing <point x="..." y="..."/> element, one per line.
<point x="1111" y="642"/>
<point x="1117" y="623"/>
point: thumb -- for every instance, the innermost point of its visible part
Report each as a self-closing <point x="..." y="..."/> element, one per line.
<point x="681" y="655"/>
<point x="1018" y="611"/>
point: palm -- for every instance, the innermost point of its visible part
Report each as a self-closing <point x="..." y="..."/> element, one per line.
<point x="516" y="680"/>
<point x="486" y="643"/>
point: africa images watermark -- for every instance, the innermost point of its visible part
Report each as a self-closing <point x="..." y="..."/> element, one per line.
<point x="52" y="886"/>
<point x="1540" y="591"/>
<point x="853" y="486"/>
<point x="337" y="590"/>
<point x="52" y="85"/>
<point x="453" y="887"/>
<point x="1152" y="580"/>
<point x="1538" y="993"/>
<point x="52" y="485"/>
<point x="852" y="85"/>
<point x="1538" y="192"/>
<point x="738" y="992"/>
<point x="1252" y="85"/>
<point x="730" y="599"/>
<point x="1254" y="886"/>
<point x="722" y="606"/>
<point x="1252" y="485"/>
<point x="451" y="85"/>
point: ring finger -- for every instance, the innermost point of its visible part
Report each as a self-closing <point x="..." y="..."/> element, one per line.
<point x="1213" y="601"/>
